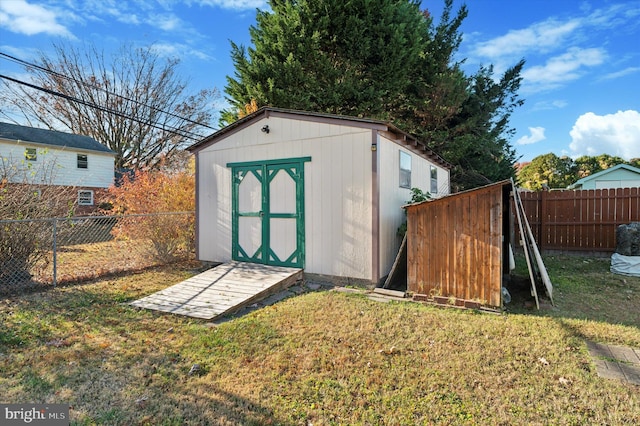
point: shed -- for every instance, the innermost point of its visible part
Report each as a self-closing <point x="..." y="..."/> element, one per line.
<point x="620" y="176"/>
<point x="308" y="190"/>
<point x="458" y="245"/>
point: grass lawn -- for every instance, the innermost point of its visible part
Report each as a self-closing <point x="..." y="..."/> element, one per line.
<point x="322" y="357"/>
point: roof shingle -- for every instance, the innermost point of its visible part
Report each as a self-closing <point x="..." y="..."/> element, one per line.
<point x="51" y="137"/>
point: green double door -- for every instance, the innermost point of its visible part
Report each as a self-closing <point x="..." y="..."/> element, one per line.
<point x="268" y="212"/>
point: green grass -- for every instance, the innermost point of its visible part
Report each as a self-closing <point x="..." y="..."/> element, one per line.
<point x="322" y="357"/>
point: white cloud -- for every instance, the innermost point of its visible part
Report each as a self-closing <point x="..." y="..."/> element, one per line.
<point x="179" y="50"/>
<point x="166" y="22"/>
<point x="621" y="73"/>
<point x="21" y="17"/>
<point x="613" y="134"/>
<point x="235" y="4"/>
<point x="536" y="135"/>
<point x="562" y="68"/>
<point x="547" y="105"/>
<point x="538" y="37"/>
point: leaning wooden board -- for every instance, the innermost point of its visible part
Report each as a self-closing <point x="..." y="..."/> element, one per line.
<point x="543" y="270"/>
<point x="525" y="243"/>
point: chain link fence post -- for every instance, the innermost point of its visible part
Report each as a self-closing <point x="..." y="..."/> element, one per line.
<point x="55" y="257"/>
<point x="82" y="248"/>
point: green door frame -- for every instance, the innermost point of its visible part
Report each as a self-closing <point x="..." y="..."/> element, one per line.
<point x="265" y="172"/>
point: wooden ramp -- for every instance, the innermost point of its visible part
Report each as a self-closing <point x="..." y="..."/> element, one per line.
<point x="221" y="290"/>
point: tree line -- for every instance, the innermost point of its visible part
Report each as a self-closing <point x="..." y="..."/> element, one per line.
<point x="549" y="171"/>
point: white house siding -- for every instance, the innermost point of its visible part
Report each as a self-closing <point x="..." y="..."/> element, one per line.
<point x="338" y="194"/>
<point x="613" y="184"/>
<point x="393" y="197"/>
<point x="59" y="166"/>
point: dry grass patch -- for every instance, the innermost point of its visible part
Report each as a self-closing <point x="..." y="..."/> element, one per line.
<point x="319" y="358"/>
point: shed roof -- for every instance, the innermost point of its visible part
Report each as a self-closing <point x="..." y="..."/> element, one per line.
<point x="266" y="112"/>
<point x="51" y="137"/>
<point x="460" y="194"/>
<point x="605" y="172"/>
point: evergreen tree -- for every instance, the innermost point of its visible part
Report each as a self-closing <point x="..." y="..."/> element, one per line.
<point x="382" y="59"/>
<point x="329" y="56"/>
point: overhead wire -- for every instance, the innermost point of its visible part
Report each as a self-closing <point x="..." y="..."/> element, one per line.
<point x="178" y="132"/>
<point x="94" y="105"/>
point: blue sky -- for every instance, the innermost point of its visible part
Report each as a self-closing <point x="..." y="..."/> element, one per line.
<point x="581" y="79"/>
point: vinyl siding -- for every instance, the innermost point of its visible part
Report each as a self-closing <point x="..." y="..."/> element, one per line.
<point x="393" y="197"/>
<point x="338" y="208"/>
<point x="58" y="166"/>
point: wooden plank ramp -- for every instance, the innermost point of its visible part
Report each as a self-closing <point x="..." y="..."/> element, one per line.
<point x="221" y="290"/>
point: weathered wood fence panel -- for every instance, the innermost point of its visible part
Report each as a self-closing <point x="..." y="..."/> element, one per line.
<point x="580" y="220"/>
<point x="456" y="245"/>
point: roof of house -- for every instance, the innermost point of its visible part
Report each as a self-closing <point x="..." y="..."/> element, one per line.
<point x="50" y="137"/>
<point x="266" y="112"/>
<point x="605" y="172"/>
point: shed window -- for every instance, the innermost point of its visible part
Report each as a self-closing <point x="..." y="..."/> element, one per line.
<point x="85" y="198"/>
<point x="434" y="180"/>
<point x="30" y="154"/>
<point x="83" y="162"/>
<point x="405" y="170"/>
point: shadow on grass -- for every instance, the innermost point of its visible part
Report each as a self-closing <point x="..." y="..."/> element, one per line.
<point x="178" y="406"/>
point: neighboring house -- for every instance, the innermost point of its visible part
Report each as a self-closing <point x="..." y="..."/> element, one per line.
<point x="620" y="176"/>
<point x="314" y="191"/>
<point x="45" y="157"/>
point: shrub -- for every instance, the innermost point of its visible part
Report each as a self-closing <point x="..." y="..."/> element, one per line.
<point x="417" y="196"/>
<point x="173" y="237"/>
<point x="23" y="245"/>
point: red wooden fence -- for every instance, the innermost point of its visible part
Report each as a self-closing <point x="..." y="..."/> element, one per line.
<point x="580" y="220"/>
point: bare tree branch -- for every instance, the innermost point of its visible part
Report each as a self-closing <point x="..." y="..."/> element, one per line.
<point x="134" y="103"/>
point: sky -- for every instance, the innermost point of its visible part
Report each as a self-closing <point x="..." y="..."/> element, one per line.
<point x="581" y="80"/>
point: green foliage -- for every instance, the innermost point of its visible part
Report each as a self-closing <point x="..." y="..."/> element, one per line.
<point x="417" y="196"/>
<point x="328" y="56"/>
<point x="547" y="170"/>
<point x="551" y="171"/>
<point x="586" y="166"/>
<point x="383" y="59"/>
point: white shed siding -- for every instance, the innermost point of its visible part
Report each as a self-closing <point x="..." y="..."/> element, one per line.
<point x="59" y="166"/>
<point x="338" y="210"/>
<point x="393" y="197"/>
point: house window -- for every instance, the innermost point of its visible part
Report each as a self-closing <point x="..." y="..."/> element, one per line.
<point x="83" y="162"/>
<point x="85" y="198"/>
<point x="30" y="154"/>
<point x="405" y="170"/>
<point x="434" y="180"/>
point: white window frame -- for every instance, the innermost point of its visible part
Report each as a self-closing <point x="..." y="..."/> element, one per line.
<point x="404" y="172"/>
<point x="433" y="180"/>
<point x="82" y="201"/>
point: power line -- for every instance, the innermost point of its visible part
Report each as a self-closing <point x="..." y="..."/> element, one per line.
<point x="175" y="131"/>
<point x="58" y="74"/>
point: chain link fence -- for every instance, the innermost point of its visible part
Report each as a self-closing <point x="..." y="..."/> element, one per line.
<point x="47" y="252"/>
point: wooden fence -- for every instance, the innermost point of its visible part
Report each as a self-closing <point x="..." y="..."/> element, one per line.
<point x="580" y="220"/>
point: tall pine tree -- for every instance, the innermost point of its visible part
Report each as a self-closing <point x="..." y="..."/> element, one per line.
<point x="383" y="59"/>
